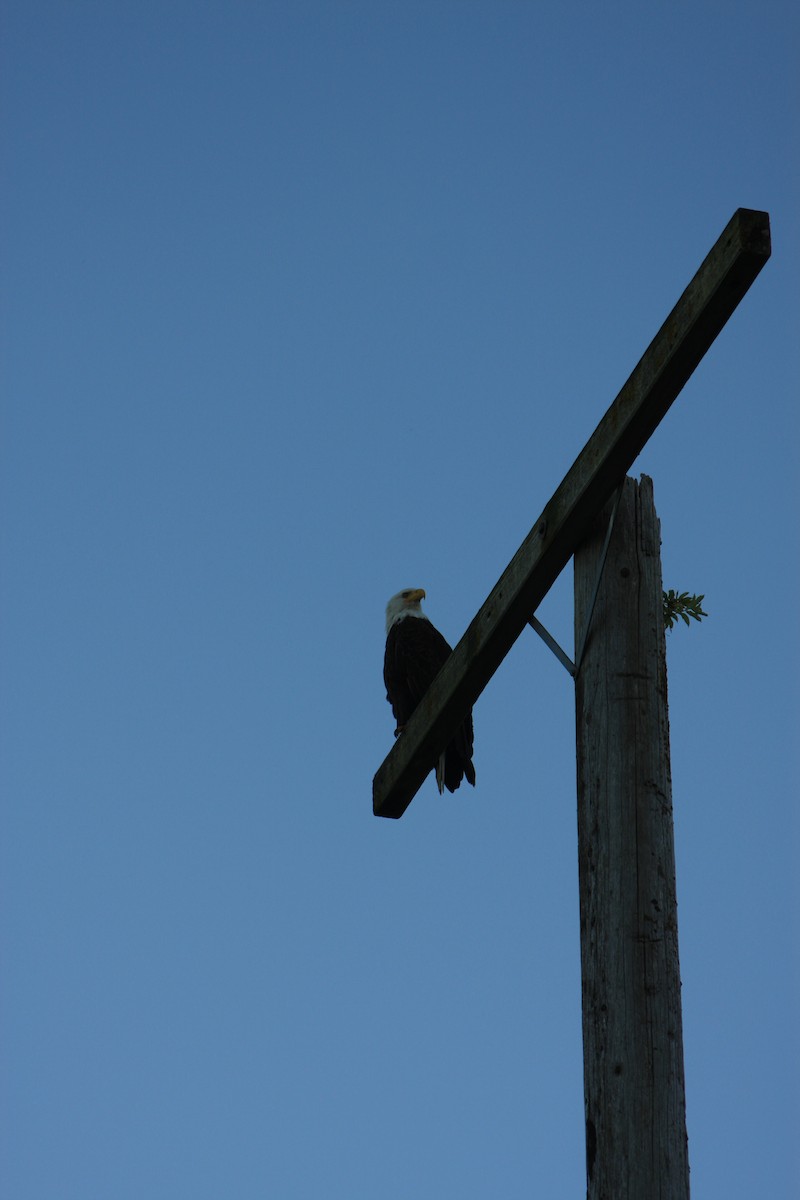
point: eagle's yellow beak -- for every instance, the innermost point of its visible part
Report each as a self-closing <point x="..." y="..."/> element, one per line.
<point x="416" y="594"/>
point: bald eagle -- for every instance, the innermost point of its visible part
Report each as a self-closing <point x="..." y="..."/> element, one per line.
<point x="415" y="653"/>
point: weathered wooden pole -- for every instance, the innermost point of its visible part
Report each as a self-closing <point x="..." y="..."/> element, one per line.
<point x="636" y="1147"/>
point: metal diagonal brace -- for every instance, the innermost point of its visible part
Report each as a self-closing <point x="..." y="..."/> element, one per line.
<point x="547" y="638"/>
<point x="550" y="641"/>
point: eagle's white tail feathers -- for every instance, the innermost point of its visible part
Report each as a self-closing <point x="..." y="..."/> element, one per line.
<point x="440" y="774"/>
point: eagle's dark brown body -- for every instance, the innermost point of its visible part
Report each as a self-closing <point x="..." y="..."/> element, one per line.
<point x="415" y="652"/>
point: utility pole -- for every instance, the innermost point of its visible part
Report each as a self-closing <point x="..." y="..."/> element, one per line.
<point x="633" y="1055"/>
<point x="636" y="1147"/>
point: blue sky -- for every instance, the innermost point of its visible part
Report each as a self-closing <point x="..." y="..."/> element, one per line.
<point x="304" y="303"/>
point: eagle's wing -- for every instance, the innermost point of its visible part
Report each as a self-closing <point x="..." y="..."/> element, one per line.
<point x="415" y="652"/>
<point x="423" y="653"/>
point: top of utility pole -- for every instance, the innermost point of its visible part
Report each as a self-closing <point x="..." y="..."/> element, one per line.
<point x="709" y="300"/>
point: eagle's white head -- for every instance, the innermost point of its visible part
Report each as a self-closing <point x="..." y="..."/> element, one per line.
<point x="405" y="604"/>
